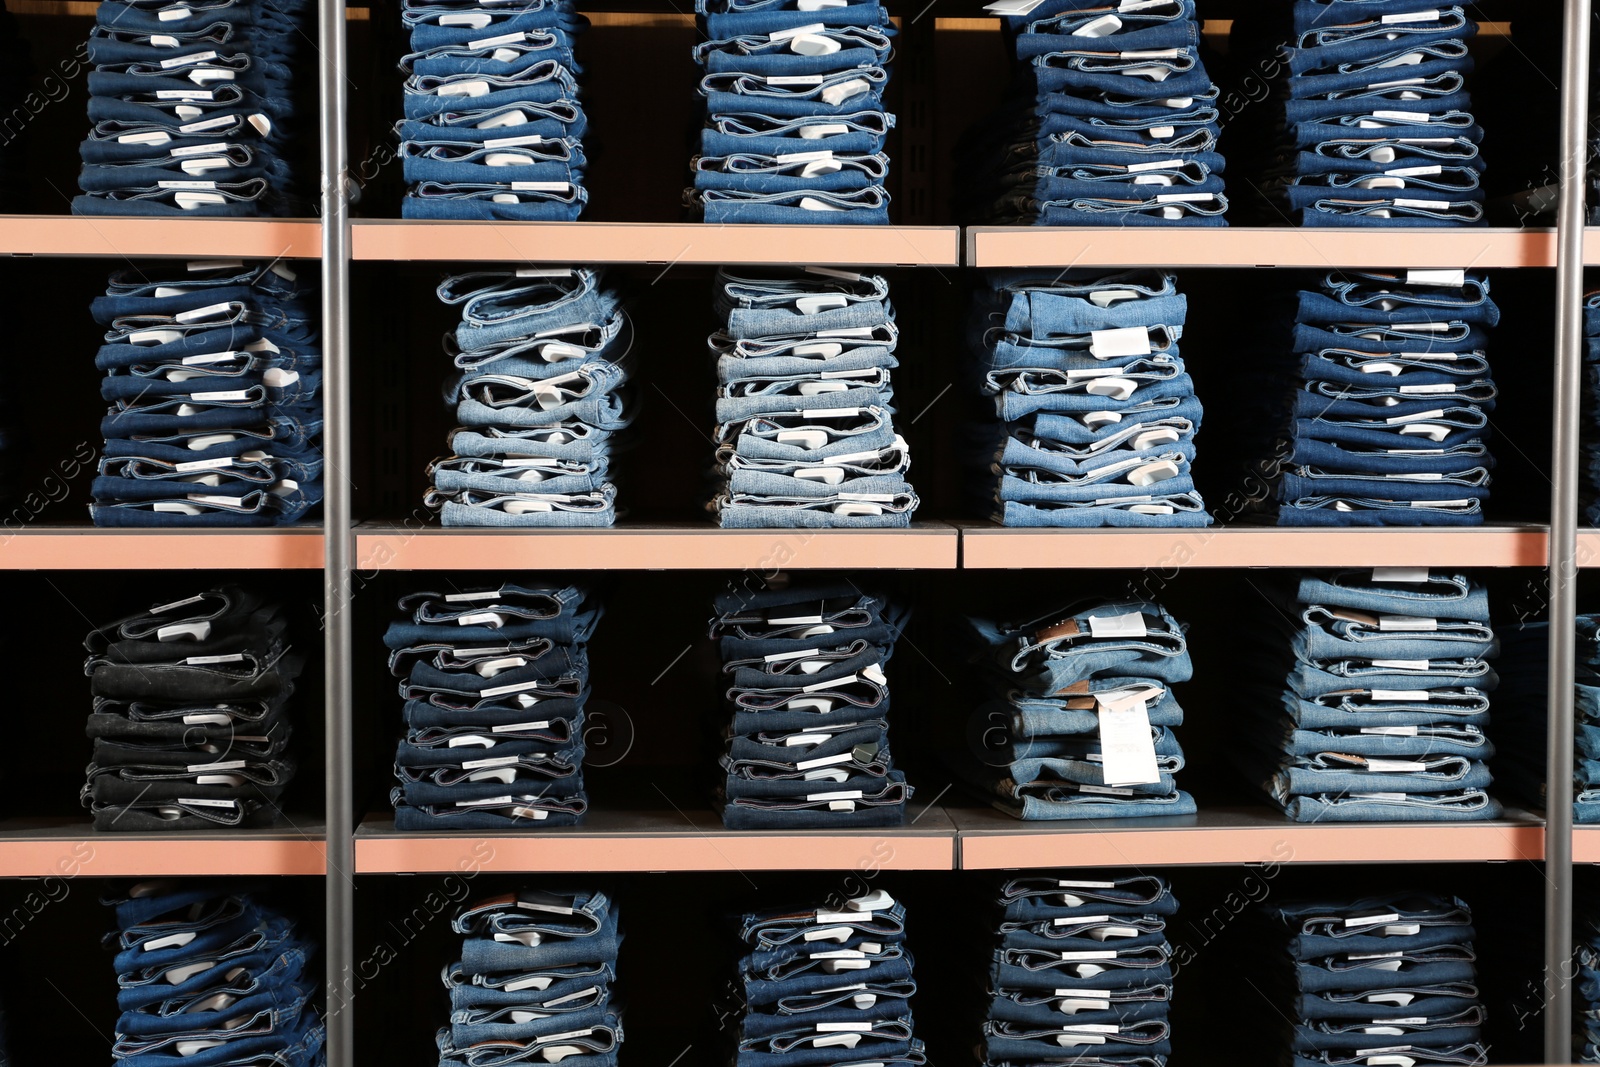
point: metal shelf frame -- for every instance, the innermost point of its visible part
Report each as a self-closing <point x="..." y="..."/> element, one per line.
<point x="948" y="838"/>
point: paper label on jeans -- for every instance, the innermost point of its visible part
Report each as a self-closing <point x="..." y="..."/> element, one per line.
<point x="1389" y="731"/>
<point x="844" y="1028"/>
<point x="209" y="310"/>
<point x="778" y="657"/>
<point x="1012" y="7"/>
<point x="490" y="42"/>
<point x="1127" y="745"/>
<point x="1416" y="172"/>
<point x="1073" y="1005"/>
<point x="507" y="690"/>
<point x="483" y="594"/>
<point x="536" y="982"/>
<point x="797" y="31"/>
<point x="185" y="185"/>
<point x="201" y="768"/>
<point x="199" y="802"/>
<point x="1138" y="168"/>
<point x="152" y="137"/>
<point x="1402" y="575"/>
<point x="1371" y="920"/>
<point x="1106" y="790"/>
<point x="517" y="727"/>
<point x="497" y="761"/>
<point x="481" y="618"/>
<point x="540" y="187"/>
<point x="1401" y="695"/>
<point x="185" y="94"/>
<point x="794" y="79"/>
<point x="173" y="14"/>
<point x="847" y="794"/>
<point x="201" y="661"/>
<point x="1125" y="341"/>
<point x="1425" y="205"/>
<point x="1394" y="766"/>
<point x="1431" y="15"/>
<point x="178" y="61"/>
<point x="1403" y="623"/>
<point x="1403" y="664"/>
<point x="1096" y="954"/>
<point x="1113" y="626"/>
<point x="518" y="142"/>
<point x="824" y="761"/>
<point x="1075" y="920"/>
<point x="826" y="129"/>
<point x="164" y="608"/>
<point x="1455" y="278"/>
<point x="225" y="394"/>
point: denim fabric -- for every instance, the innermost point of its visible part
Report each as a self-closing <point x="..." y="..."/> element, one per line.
<point x="195" y="111"/>
<point x="794" y="123"/>
<point x="211" y="977"/>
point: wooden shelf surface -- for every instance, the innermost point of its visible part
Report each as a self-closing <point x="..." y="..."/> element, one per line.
<point x="93" y="235"/>
<point x="89" y="548"/>
<point x="67" y="847"/>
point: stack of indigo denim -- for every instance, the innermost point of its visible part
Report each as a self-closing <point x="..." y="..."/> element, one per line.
<point x="211" y="977"/>
<point x="805" y="414"/>
<point x="1111" y="120"/>
<point x="795" y="123"/>
<point x="1373" y="697"/>
<point x="1082" y="972"/>
<point x="199" y="109"/>
<point x="809" y="742"/>
<point x="1382" y="979"/>
<point x="1522" y="715"/>
<point x="1376" y="126"/>
<point x="1385" y="411"/>
<point x="493" y="128"/>
<point x="541" y="355"/>
<point x="191" y="718"/>
<point x="533" y="984"/>
<point x="1076" y="713"/>
<point x="828" y="985"/>
<point x="495" y="680"/>
<point x="214" y="373"/>
<point x="1098" y="414"/>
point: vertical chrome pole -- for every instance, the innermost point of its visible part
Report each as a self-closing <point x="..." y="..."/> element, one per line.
<point x="338" y="885"/>
<point x="1563" y="531"/>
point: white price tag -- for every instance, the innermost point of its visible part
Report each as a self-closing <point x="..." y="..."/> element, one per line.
<point x="1127" y="744"/>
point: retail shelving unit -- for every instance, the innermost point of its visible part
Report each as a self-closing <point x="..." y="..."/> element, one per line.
<point x="943" y="836"/>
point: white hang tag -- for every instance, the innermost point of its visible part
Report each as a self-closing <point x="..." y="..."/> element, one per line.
<point x="173" y="14"/>
<point x="1403" y="664"/>
<point x="230" y="765"/>
<point x="150" y="137"/>
<point x="1412" y="16"/>
<point x="1400" y="575"/>
<point x="475" y="20"/>
<point x="1127" y="744"/>
<point x="1453" y="278"/>
<point x="1117" y="626"/>
<point x="1151" y="473"/>
<point x="1115" y="388"/>
<point x="1104" y="26"/>
<point x="826" y="129"/>
<point x="1073" y="1005"/>
<point x="513" y="117"/>
<point x="519" y="142"/>
<point x="1394" y="766"/>
<point x="1014" y="8"/>
<point x="471" y="740"/>
<point x="1406" y="623"/>
<point x="200" y="802"/>
<point x="170" y="941"/>
<point x="178" y="61"/>
<point x="194" y="631"/>
<point x="838" y="94"/>
<point x="1124" y="341"/>
<point x="812" y="44"/>
<point x="796" y="31"/>
<point x="1091" y="954"/>
<point x="1402" y="696"/>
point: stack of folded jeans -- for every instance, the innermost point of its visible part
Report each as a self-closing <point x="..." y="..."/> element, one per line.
<point x="828" y="985"/>
<point x="1098" y="414"/>
<point x="1376" y="128"/>
<point x="196" y="108"/>
<point x="1586" y="1044"/>
<point x="541" y="355"/>
<point x="493" y="128"/>
<point x="808" y="746"/>
<point x="1522" y="714"/>
<point x="1082" y="972"/>
<point x="795" y="123"/>
<point x="495" y="681"/>
<point x="1111" y="120"/>
<point x="213" y="977"/>
<point x="1383" y="979"/>
<point x="1077" y="713"/>
<point x="214" y="374"/>
<point x="1589" y="427"/>
<point x="533" y="984"/>
<point x="1385" y="412"/>
<point x="190" y="723"/>
<point x="1381" y="683"/>
<point x="805" y="415"/>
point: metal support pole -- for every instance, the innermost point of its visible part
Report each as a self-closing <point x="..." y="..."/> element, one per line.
<point x="339" y="885"/>
<point x="1564" y="532"/>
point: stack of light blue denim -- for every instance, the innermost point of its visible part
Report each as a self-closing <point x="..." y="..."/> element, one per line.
<point x="1372" y="980"/>
<point x="214" y="373"/>
<point x="1082" y="973"/>
<point x="1522" y="704"/>
<point x="212" y="978"/>
<point x="1110" y="121"/>
<point x="827" y="986"/>
<point x="493" y="128"/>
<point x="805" y="406"/>
<point x="191" y="721"/>
<point x="1586" y="1046"/>
<point x="1063" y="691"/>
<point x="542" y="357"/>
<point x="495" y="680"/>
<point x="1378" y="127"/>
<point x="1387" y="407"/>
<point x="199" y="109"/>
<point x="1098" y="413"/>
<point x="808" y="746"/>
<point x="795" y="123"/>
<point x="1379" y="711"/>
<point x="533" y="984"/>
